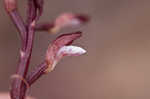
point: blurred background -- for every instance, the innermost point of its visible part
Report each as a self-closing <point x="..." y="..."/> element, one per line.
<point x="117" y="65"/>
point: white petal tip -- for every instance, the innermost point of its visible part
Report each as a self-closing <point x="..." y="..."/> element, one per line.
<point x="71" y="51"/>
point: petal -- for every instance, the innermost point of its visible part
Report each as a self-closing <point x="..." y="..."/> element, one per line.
<point x="67" y="39"/>
<point x="70" y="51"/>
<point x="66" y="51"/>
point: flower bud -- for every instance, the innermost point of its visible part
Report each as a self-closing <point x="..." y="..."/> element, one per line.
<point x="10" y="5"/>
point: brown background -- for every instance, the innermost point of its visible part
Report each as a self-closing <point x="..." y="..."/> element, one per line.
<point x="117" y="65"/>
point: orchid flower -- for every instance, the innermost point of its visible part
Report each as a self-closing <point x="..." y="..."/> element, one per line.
<point x="61" y="47"/>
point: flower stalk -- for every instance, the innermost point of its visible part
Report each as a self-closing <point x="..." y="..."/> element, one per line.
<point x="56" y="50"/>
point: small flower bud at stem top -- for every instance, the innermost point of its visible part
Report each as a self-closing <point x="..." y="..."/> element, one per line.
<point x="10" y="5"/>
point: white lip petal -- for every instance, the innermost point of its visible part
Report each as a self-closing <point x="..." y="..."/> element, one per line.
<point x="66" y="51"/>
<point x="71" y="51"/>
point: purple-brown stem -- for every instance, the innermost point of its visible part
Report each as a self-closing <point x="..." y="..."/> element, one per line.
<point x="22" y="69"/>
<point x="17" y="20"/>
<point x="11" y="8"/>
<point x="27" y="42"/>
<point x="34" y="76"/>
<point x="31" y="12"/>
<point x="26" y="49"/>
<point x="36" y="73"/>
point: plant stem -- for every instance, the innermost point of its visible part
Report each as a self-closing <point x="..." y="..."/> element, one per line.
<point x="22" y="69"/>
<point x="34" y="76"/>
<point x="37" y="73"/>
<point x="25" y="52"/>
<point x="17" y="20"/>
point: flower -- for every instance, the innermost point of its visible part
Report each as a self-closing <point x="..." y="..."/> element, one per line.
<point x="61" y="47"/>
<point x="68" y="19"/>
<point x="62" y="21"/>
